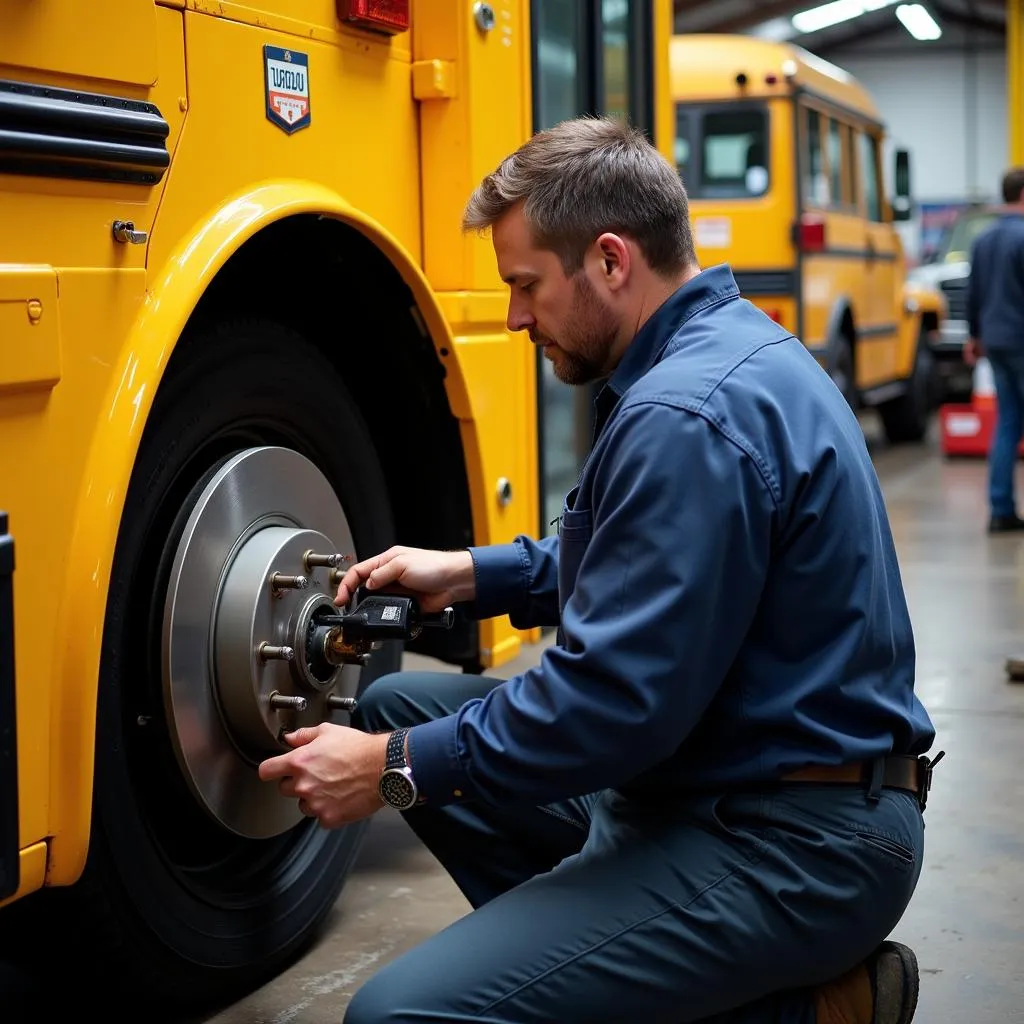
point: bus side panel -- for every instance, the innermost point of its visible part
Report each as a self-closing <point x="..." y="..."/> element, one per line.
<point x="500" y="422"/>
<point x="358" y="90"/>
<point x="466" y="132"/>
<point x="68" y="292"/>
<point x="112" y="41"/>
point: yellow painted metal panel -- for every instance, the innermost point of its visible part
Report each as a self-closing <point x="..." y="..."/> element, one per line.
<point x="501" y="370"/>
<point x="29" y="328"/>
<point x="434" y="80"/>
<point x="46" y="438"/>
<point x="1015" y="78"/>
<point x="64" y="222"/>
<point x="664" y="105"/>
<point x="306" y="19"/>
<point x="115" y="40"/>
<point x="466" y="136"/>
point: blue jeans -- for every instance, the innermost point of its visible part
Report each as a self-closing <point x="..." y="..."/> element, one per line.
<point x="716" y="907"/>
<point x="1008" y="371"/>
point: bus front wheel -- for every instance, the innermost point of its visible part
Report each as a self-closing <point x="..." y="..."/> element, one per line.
<point x="201" y="881"/>
<point x="906" y="417"/>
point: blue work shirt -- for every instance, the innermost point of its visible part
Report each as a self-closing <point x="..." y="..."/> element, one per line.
<point x="724" y="579"/>
<point x="995" y="288"/>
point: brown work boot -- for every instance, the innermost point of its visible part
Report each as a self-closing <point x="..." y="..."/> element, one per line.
<point x="881" y="990"/>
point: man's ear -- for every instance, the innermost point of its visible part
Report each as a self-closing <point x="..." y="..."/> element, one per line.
<point x="616" y="260"/>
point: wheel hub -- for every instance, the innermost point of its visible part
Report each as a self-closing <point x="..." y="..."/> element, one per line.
<point x="253" y="571"/>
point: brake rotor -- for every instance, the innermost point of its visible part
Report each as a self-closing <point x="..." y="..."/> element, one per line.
<point x="252" y="571"/>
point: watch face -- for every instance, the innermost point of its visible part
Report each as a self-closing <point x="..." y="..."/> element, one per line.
<point x="396" y="789"/>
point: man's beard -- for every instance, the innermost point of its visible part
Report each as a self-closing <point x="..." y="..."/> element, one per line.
<point x="590" y="331"/>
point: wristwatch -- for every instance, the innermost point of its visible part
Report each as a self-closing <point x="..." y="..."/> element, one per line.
<point x="396" y="786"/>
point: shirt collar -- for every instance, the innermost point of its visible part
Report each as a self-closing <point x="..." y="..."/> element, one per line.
<point x="708" y="287"/>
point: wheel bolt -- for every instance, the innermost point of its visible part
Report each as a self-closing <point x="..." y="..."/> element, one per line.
<point x="280" y="702"/>
<point x="341" y="703"/>
<point x="279" y="582"/>
<point x="330" y="561"/>
<point x="268" y="652"/>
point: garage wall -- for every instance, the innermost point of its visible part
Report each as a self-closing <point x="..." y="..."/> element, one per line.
<point x="948" y="109"/>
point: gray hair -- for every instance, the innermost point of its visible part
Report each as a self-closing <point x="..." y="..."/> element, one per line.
<point x="582" y="178"/>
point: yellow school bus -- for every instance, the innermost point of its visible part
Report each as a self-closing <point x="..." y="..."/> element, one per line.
<point x="242" y="333"/>
<point x="781" y="154"/>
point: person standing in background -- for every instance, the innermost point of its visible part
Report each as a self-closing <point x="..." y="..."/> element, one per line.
<point x="995" y="315"/>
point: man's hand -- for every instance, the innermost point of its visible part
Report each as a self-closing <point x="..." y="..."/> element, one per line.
<point x="973" y="351"/>
<point x="436" y="579"/>
<point x="333" y="772"/>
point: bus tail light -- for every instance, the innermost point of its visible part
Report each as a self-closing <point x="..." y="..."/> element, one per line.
<point x="812" y="234"/>
<point x="389" y="16"/>
<point x="773" y="314"/>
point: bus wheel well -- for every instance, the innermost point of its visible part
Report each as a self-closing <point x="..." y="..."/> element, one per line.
<point x="331" y="283"/>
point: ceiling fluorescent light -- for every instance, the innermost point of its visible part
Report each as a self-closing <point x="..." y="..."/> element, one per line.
<point x="778" y="30"/>
<point x="834" y="13"/>
<point x="918" y="22"/>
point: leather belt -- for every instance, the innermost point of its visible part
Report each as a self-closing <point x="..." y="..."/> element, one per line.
<point x="896" y="772"/>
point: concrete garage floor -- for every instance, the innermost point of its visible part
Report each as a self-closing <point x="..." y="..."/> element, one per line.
<point x="966" y="593"/>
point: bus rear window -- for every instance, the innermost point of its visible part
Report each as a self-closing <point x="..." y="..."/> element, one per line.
<point x="722" y="152"/>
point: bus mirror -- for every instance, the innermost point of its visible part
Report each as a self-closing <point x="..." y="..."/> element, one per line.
<point x="902" y="205"/>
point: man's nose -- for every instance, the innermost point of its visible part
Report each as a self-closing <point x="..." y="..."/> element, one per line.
<point x="519" y="318"/>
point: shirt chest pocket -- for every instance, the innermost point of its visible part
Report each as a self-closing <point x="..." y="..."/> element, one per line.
<point x="575" y="529"/>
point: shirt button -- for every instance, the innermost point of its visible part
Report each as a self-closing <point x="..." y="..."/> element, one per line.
<point x="457" y="792"/>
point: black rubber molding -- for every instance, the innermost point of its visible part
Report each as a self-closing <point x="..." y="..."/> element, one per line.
<point x="8" y="726"/>
<point x="65" y="133"/>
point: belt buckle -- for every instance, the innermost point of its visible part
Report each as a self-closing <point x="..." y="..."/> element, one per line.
<point x="927" y="766"/>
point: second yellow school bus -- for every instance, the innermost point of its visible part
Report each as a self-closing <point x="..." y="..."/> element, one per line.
<point x="781" y="154"/>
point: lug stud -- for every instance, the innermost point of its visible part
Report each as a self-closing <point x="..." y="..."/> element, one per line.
<point x="279" y="582"/>
<point x="268" y="652"/>
<point x="341" y="703"/>
<point x="311" y="560"/>
<point x="281" y="702"/>
<point x="335" y="577"/>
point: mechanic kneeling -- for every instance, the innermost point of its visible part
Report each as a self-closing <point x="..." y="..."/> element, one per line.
<point x="705" y="802"/>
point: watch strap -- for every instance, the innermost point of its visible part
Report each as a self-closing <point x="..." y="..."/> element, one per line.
<point x="395" y="755"/>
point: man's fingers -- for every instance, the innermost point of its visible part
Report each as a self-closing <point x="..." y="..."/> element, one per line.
<point x="359" y="574"/>
<point x="276" y="767"/>
<point x="387" y="572"/>
<point x="284" y="764"/>
<point x="301" y="737"/>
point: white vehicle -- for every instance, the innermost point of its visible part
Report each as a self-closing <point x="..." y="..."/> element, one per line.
<point x="948" y="269"/>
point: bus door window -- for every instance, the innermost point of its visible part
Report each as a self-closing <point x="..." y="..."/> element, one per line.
<point x="869" y="176"/>
<point x="815" y="180"/>
<point x="587" y="59"/>
<point x="560" y="72"/>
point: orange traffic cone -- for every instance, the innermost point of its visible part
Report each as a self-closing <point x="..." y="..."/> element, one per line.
<point x="966" y="428"/>
<point x="983" y="385"/>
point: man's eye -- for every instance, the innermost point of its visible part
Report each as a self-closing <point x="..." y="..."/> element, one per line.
<point x="527" y="288"/>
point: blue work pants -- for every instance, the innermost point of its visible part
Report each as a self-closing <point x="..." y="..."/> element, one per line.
<point x="718" y="907"/>
<point x="1008" y="373"/>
